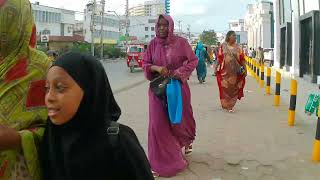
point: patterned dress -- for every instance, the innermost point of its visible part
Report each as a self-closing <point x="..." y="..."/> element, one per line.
<point x="22" y="73"/>
<point x="230" y="82"/>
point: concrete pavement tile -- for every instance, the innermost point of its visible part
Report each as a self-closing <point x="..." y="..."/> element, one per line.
<point x="267" y="170"/>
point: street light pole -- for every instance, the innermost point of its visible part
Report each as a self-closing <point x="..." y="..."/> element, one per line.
<point x="93" y="26"/>
<point x="101" y="32"/>
<point x="127" y="23"/>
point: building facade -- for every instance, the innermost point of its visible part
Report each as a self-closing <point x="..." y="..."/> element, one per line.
<point x="259" y="23"/>
<point x="239" y="28"/>
<point x="53" y="21"/>
<point x="142" y="28"/>
<point x="297" y="28"/>
<point x="110" y="30"/>
<point x="149" y="8"/>
<point x="138" y="10"/>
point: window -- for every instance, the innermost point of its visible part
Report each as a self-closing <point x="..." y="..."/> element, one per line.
<point x="151" y="21"/>
<point x="146" y="28"/>
<point x="285" y="11"/>
<point x="146" y="36"/>
<point x="152" y="28"/>
<point x="135" y="49"/>
<point x="152" y="36"/>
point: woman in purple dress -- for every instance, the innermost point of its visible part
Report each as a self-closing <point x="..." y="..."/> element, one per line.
<point x="169" y="55"/>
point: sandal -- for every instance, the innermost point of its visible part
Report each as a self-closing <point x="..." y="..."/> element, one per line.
<point x="188" y="150"/>
<point x="155" y="174"/>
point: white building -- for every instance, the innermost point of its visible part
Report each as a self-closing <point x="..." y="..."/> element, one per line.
<point x="138" y="10"/>
<point x="149" y="8"/>
<point x="142" y="27"/>
<point x="154" y="8"/>
<point x="259" y="24"/>
<point x="53" y="21"/>
<point x="297" y="29"/>
<point x="111" y="27"/>
<point x="239" y="28"/>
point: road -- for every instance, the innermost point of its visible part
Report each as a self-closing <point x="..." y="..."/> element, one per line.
<point x="119" y="75"/>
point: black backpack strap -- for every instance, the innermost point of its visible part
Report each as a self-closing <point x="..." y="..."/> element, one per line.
<point x="113" y="133"/>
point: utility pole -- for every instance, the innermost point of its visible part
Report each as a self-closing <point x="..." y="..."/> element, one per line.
<point x="127" y="23"/>
<point x="189" y="33"/>
<point x="92" y="23"/>
<point x="101" y="32"/>
<point x="179" y="24"/>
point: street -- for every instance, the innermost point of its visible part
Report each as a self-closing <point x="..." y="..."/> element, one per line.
<point x="253" y="143"/>
<point x="119" y="75"/>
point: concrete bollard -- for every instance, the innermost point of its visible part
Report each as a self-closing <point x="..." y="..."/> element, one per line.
<point x="278" y="86"/>
<point x="262" y="76"/>
<point x="268" y="88"/>
<point x="293" y="101"/>
<point x="316" y="146"/>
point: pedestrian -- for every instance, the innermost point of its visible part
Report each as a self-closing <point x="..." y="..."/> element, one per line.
<point x="260" y="55"/>
<point x="216" y="52"/>
<point x="201" y="68"/>
<point x="254" y="53"/>
<point x="22" y="112"/>
<point x="82" y="139"/>
<point x="231" y="72"/>
<point x="169" y="55"/>
<point x="250" y="53"/>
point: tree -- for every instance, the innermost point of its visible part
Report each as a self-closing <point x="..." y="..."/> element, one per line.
<point x="209" y="37"/>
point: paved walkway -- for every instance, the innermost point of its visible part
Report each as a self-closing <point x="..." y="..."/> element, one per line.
<point x="253" y="143"/>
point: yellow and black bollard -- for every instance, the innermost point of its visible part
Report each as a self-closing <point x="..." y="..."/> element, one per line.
<point x="258" y="72"/>
<point x="293" y="101"/>
<point x="316" y="146"/>
<point x="277" y="93"/>
<point x="268" y="89"/>
<point x="262" y="76"/>
<point x="251" y="66"/>
<point x="254" y="69"/>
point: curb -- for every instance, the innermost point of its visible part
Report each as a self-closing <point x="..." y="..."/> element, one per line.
<point x="125" y="88"/>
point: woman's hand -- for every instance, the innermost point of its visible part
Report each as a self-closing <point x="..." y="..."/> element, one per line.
<point x="9" y="138"/>
<point x="163" y="71"/>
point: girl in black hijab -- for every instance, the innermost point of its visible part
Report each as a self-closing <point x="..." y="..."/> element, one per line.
<point x="76" y="144"/>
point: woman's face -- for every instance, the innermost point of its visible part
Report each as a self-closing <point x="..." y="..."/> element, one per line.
<point x="63" y="96"/>
<point x="163" y="28"/>
<point x="233" y="38"/>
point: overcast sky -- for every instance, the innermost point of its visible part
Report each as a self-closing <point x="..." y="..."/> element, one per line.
<point x="200" y="14"/>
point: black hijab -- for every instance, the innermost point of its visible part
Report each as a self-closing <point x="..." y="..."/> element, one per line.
<point x="77" y="149"/>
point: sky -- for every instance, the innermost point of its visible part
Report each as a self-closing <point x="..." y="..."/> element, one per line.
<point x="199" y="14"/>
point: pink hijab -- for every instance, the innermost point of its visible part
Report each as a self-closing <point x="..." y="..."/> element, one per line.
<point x="171" y="35"/>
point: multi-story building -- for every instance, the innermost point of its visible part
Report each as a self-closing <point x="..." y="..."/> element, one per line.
<point x="259" y="24"/>
<point x="110" y="29"/>
<point x="297" y="29"/>
<point x="238" y="27"/>
<point x="55" y="27"/>
<point x="142" y="28"/>
<point x="53" y="21"/>
<point x="149" y="8"/>
<point x="138" y="10"/>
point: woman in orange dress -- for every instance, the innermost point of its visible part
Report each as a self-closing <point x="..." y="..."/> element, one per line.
<point x="231" y="72"/>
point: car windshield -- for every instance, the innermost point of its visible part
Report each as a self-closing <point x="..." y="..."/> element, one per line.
<point x="136" y="49"/>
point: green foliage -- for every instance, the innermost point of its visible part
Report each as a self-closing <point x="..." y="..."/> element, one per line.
<point x="81" y="47"/>
<point x="209" y="37"/>
<point x="112" y="52"/>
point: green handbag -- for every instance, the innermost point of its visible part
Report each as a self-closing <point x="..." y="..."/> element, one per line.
<point x="312" y="104"/>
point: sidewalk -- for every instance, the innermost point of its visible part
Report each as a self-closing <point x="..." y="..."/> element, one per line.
<point x="253" y="143"/>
